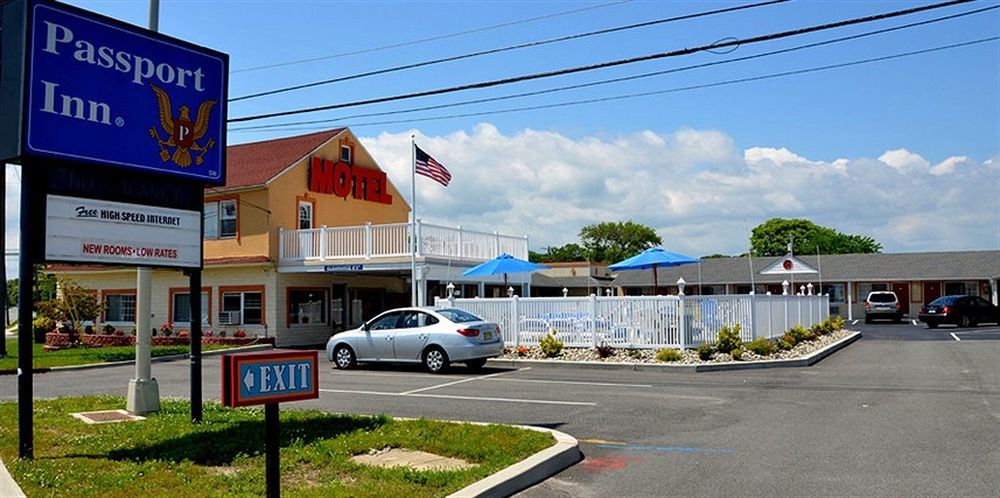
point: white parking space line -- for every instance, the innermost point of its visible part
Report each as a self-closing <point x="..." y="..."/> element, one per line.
<point x="855" y="322"/>
<point x="956" y="337"/>
<point x="465" y="398"/>
<point x="575" y="383"/>
<point x="446" y="384"/>
<point x="914" y="322"/>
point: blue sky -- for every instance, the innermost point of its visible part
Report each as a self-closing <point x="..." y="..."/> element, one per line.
<point x="932" y="122"/>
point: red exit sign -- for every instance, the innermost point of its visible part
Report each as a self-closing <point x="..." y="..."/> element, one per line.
<point x="271" y="377"/>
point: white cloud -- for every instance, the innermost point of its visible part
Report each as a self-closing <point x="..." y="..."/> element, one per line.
<point x="904" y="161"/>
<point x="695" y="188"/>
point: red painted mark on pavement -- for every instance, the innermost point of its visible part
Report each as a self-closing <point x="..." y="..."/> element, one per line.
<point x="612" y="462"/>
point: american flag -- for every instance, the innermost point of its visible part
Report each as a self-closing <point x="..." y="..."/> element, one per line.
<point x="429" y="167"/>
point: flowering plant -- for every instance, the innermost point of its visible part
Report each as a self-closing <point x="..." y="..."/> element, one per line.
<point x="208" y="333"/>
<point x="182" y="333"/>
<point x="167" y="329"/>
<point x="522" y="350"/>
<point x="108" y="329"/>
<point x="240" y="333"/>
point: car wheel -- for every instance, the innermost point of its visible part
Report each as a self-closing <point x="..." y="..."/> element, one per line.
<point x="964" y="322"/>
<point x="476" y="364"/>
<point x="343" y="357"/>
<point x="932" y="325"/>
<point x="436" y="360"/>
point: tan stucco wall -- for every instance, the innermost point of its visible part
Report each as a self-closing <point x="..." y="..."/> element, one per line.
<point x="253" y="227"/>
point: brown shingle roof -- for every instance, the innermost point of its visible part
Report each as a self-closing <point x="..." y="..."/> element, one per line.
<point x="255" y="163"/>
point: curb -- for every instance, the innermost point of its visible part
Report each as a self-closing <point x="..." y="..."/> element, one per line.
<point x="805" y="361"/>
<point x="158" y="359"/>
<point x="527" y="472"/>
<point x="8" y="486"/>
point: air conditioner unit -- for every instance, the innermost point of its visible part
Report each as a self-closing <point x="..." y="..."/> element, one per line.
<point x="229" y="318"/>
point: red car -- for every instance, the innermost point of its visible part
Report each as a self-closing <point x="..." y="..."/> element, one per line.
<point x="964" y="311"/>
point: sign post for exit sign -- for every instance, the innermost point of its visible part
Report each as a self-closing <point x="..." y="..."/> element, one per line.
<point x="268" y="379"/>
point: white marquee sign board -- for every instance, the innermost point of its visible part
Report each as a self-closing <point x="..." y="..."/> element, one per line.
<point x="95" y="231"/>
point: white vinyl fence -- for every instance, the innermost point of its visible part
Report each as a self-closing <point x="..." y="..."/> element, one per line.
<point x="643" y="321"/>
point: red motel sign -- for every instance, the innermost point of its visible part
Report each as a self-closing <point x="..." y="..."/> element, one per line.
<point x="341" y="179"/>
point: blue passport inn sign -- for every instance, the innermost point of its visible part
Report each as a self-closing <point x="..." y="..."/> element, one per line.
<point x="103" y="92"/>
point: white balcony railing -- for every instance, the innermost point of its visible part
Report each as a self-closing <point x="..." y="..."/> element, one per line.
<point x="392" y="240"/>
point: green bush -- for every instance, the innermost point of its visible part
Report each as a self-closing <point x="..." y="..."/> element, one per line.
<point x="817" y="329"/>
<point x="784" y="344"/>
<point x="705" y="351"/>
<point x="737" y="354"/>
<point x="798" y="332"/>
<point x="761" y="346"/>
<point x="669" y="355"/>
<point x="41" y="326"/>
<point x="89" y="330"/>
<point x="729" y="338"/>
<point x="837" y="322"/>
<point x="635" y="354"/>
<point x="551" y="347"/>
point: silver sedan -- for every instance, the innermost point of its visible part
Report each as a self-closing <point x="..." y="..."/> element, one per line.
<point x="435" y="337"/>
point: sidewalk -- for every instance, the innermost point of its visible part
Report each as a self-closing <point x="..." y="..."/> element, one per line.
<point x="8" y="488"/>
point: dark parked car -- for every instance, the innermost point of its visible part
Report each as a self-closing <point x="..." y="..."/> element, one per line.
<point x="964" y="311"/>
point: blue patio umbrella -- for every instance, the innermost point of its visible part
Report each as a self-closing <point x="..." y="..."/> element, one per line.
<point x="652" y="258"/>
<point x="504" y="263"/>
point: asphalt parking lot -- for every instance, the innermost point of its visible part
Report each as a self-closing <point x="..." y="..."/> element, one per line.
<point x="903" y="411"/>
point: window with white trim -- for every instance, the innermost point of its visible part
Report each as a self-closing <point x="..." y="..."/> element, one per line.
<point x="960" y="288"/>
<point x="345" y="153"/>
<point x="305" y="215"/>
<point x="242" y="308"/>
<point x="220" y="219"/>
<point x="119" y="308"/>
<point x="307" y="307"/>
<point x="182" y="308"/>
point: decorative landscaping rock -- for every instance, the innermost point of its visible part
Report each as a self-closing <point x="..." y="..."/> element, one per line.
<point x="690" y="356"/>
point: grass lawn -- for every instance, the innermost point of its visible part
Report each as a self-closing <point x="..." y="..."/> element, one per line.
<point x="166" y="455"/>
<point x="84" y="355"/>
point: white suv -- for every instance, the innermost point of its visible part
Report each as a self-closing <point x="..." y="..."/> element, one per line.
<point x="883" y="304"/>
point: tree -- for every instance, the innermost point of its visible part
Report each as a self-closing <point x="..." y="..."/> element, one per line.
<point x="568" y="252"/>
<point x="609" y="242"/>
<point x="771" y="239"/>
<point x="45" y="287"/>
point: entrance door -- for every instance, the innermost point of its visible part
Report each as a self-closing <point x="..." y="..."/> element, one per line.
<point x="902" y="290"/>
<point x="932" y="291"/>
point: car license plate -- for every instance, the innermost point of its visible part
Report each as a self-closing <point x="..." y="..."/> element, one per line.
<point x="488" y="335"/>
<point x="931" y="311"/>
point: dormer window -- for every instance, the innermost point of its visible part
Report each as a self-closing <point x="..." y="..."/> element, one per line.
<point x="345" y="154"/>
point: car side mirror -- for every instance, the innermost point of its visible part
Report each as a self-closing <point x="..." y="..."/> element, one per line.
<point x="366" y="327"/>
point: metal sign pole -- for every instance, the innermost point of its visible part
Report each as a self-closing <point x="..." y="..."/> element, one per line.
<point x="272" y="430"/>
<point x="195" y="294"/>
<point x="32" y="223"/>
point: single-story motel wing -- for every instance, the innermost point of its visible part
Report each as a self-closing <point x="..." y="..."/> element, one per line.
<point x="308" y="237"/>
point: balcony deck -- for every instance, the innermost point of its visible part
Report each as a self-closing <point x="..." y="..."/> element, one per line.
<point x="390" y="242"/>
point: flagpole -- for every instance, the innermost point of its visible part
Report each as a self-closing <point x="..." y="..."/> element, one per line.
<point x="413" y="220"/>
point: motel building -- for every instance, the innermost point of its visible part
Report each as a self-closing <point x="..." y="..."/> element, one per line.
<point x="916" y="278"/>
<point x="306" y="238"/>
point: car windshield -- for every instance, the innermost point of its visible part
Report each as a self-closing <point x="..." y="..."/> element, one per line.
<point x="944" y="301"/>
<point x="459" y="316"/>
<point x="882" y="298"/>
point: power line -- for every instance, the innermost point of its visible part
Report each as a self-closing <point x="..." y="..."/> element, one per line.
<point x="624" y="78"/>
<point x="431" y="38"/>
<point x="504" y="49"/>
<point x="679" y="89"/>
<point x="578" y="69"/>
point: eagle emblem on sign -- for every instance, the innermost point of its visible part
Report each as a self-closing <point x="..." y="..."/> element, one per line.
<point x="182" y="133"/>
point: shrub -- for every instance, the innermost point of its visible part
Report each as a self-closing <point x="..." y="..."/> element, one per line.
<point x="182" y="333"/>
<point x="798" y="332"/>
<point x="551" y="347"/>
<point x="667" y="355"/>
<point x="816" y="329"/>
<point x="521" y="350"/>
<point x="784" y="344"/>
<point x="705" y="351"/>
<point x="108" y="329"/>
<point x="737" y="354"/>
<point x="41" y="326"/>
<point x="729" y="338"/>
<point x="240" y="333"/>
<point x="89" y="330"/>
<point x="120" y="333"/>
<point x="604" y="350"/>
<point x="761" y="346"/>
<point x="837" y="322"/>
<point x="167" y="329"/>
<point x="811" y="336"/>
<point x="208" y="333"/>
<point x="635" y="354"/>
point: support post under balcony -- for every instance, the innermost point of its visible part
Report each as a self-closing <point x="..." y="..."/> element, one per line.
<point x="322" y="242"/>
<point x="368" y="240"/>
<point x="281" y="243"/>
